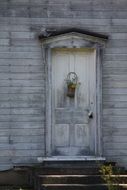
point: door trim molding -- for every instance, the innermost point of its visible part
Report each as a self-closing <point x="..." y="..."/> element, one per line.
<point x="73" y="40"/>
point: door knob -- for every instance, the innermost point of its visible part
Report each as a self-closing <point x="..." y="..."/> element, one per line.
<point x="90" y="114"/>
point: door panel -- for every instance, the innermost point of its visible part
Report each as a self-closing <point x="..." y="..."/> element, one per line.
<point x="69" y="116"/>
<point x="71" y="126"/>
<point x="62" y="131"/>
<point x="81" y="135"/>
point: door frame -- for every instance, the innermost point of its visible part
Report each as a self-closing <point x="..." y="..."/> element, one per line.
<point x="73" y="40"/>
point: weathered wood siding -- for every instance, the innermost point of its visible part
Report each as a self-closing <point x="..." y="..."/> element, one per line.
<point x="22" y="75"/>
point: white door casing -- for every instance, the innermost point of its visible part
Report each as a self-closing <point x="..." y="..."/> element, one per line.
<point x="64" y="133"/>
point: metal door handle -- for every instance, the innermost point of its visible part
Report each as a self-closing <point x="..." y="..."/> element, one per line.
<point x="90" y="114"/>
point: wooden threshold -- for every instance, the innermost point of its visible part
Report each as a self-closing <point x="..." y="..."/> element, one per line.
<point x="73" y="158"/>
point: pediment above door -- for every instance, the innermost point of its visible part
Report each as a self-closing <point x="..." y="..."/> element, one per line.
<point x="72" y="38"/>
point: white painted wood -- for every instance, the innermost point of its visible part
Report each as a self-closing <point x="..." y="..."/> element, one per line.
<point x="71" y="131"/>
<point x="61" y="135"/>
<point x="81" y="135"/>
<point x="73" y="158"/>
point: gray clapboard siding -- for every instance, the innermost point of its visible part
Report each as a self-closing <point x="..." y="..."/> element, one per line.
<point x="115" y="111"/>
<point x="115" y="91"/>
<point x="98" y="14"/>
<point x="24" y="35"/>
<point x="3" y="11"/>
<point x="114" y="84"/>
<point x="5" y="140"/>
<point x="22" y="146"/>
<point x="16" y="27"/>
<point x="21" y="104"/>
<point x="37" y="12"/>
<point x="115" y="71"/>
<point x="99" y="5"/>
<point x="4" y="160"/>
<point x="118" y="36"/>
<point x="21" y="125"/>
<point x="20" y="76"/>
<point x="115" y="57"/>
<point x="20" y="132"/>
<point x="115" y="78"/>
<point x="25" y="160"/>
<point x="22" y="49"/>
<point x="22" y="73"/>
<point x="24" y="90"/>
<point x="20" y="2"/>
<point x="23" y="97"/>
<point x="4" y="48"/>
<point x="116" y="146"/>
<point x="5" y="153"/>
<point x="115" y="139"/>
<point x="27" y="139"/>
<point x="114" y="50"/>
<point x="43" y="21"/>
<point x="21" y="111"/>
<point x="114" y="104"/>
<point x="21" y="61"/>
<point x="18" y="11"/>
<point x="114" y="64"/>
<point x="21" y="118"/>
<point x="25" y="42"/>
<point x="115" y="118"/>
<point x="25" y="69"/>
<point x="4" y="34"/>
<point x="100" y="29"/>
<point x="12" y="152"/>
<point x="117" y="43"/>
<point x="19" y="55"/>
<point x="88" y="6"/>
<point x="121" y="98"/>
<point x="22" y="83"/>
<point x="29" y="152"/>
<point x="115" y="132"/>
<point x="114" y="153"/>
<point x="4" y="42"/>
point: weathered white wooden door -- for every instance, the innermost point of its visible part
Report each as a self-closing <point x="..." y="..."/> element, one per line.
<point x="72" y="129"/>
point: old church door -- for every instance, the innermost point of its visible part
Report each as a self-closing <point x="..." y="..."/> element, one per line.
<point x="73" y="118"/>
